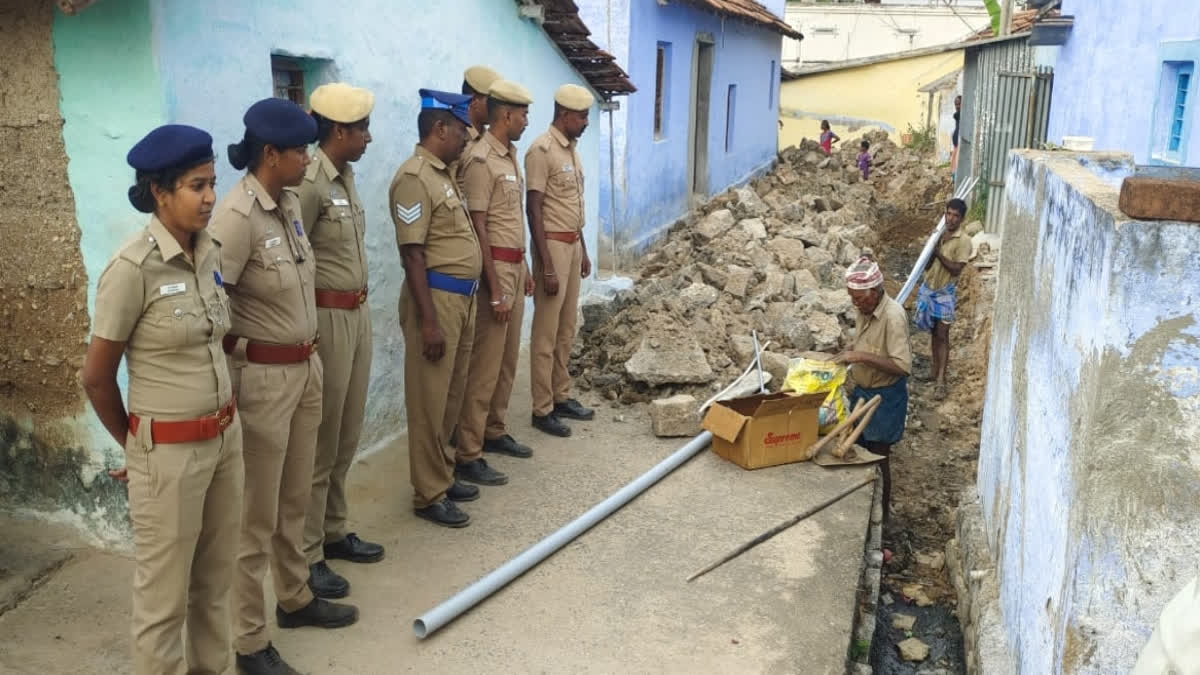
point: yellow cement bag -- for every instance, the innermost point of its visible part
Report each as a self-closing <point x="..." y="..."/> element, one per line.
<point x="809" y="376"/>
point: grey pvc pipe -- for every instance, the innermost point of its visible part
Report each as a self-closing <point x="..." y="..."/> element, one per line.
<point x="439" y="616"/>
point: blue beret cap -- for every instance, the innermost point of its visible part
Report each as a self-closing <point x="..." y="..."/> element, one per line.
<point x="281" y="123"/>
<point x="171" y="145"/>
<point x="444" y="100"/>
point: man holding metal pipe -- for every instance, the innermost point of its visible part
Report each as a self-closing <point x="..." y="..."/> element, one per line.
<point x="881" y="361"/>
<point x="937" y="296"/>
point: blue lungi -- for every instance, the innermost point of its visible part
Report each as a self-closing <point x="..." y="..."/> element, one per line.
<point x="934" y="306"/>
<point x="887" y="424"/>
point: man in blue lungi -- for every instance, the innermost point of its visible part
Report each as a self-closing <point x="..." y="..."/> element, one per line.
<point x="881" y="361"/>
<point x="937" y="296"/>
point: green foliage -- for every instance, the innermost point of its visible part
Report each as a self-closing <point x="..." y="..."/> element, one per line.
<point x="923" y="140"/>
<point x="860" y="649"/>
<point x="978" y="208"/>
<point x="993" y="8"/>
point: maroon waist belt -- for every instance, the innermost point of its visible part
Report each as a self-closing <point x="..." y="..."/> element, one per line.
<point x="188" y="431"/>
<point x="265" y="352"/>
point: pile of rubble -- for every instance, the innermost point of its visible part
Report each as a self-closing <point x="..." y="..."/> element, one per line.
<point x="769" y="256"/>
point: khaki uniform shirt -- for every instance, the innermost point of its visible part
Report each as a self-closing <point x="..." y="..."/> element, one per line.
<point x="553" y="167"/>
<point x="269" y="264"/>
<point x="957" y="248"/>
<point x="171" y="313"/>
<point x="427" y="209"/>
<point x="456" y="167"/>
<point x="336" y="224"/>
<point x="492" y="184"/>
<point x="883" y="332"/>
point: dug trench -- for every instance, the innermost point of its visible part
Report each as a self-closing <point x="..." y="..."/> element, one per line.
<point x="770" y="257"/>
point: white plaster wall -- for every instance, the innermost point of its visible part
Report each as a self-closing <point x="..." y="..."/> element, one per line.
<point x="860" y="30"/>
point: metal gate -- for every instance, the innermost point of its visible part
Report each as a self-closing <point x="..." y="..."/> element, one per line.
<point x="1019" y="115"/>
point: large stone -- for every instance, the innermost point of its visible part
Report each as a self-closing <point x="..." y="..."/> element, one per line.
<point x="790" y="252"/>
<point x="737" y="279"/>
<point x="826" y="332"/>
<point x="776" y="364"/>
<point x="913" y="649"/>
<point x="712" y="275"/>
<point x="973" y="228"/>
<point x="836" y="301"/>
<point x="786" y="174"/>
<point x="803" y="280"/>
<point x="787" y="321"/>
<point x="698" y="296"/>
<point x="903" y="621"/>
<point x="820" y="262"/>
<point x="754" y="227"/>
<point x="813" y="158"/>
<point x="715" y="224"/>
<point x="743" y="349"/>
<point x="777" y="285"/>
<point x="675" y="416"/>
<point x="749" y="200"/>
<point x="679" y="361"/>
<point x="596" y="312"/>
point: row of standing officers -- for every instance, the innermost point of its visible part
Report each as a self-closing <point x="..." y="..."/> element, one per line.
<point x="247" y="338"/>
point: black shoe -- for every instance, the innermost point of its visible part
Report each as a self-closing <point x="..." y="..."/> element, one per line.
<point x="506" y="445"/>
<point x="354" y="549"/>
<point x="574" y="410"/>
<point x="445" y="513"/>
<point x="320" y="613"/>
<point x="461" y="492"/>
<point x="264" y="662"/>
<point x="551" y="425"/>
<point x="325" y="583"/>
<point x="480" y="473"/>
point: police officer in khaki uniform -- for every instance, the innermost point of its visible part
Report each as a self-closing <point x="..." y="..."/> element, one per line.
<point x="554" y="180"/>
<point x="269" y="273"/>
<point x="160" y="303"/>
<point x="493" y="187"/>
<point x="336" y="225"/>
<point x="477" y="81"/>
<point x="437" y="301"/>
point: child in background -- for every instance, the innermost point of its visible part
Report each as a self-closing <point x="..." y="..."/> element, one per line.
<point x="828" y="138"/>
<point x="864" y="158"/>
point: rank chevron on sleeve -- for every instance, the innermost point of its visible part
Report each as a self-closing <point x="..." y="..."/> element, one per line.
<point x="408" y="214"/>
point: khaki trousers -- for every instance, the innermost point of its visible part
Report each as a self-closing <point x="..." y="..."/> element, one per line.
<point x="185" y="503"/>
<point x="345" y="351"/>
<point x="554" y="326"/>
<point x="281" y="408"/>
<point x="433" y="390"/>
<point x="494" y="354"/>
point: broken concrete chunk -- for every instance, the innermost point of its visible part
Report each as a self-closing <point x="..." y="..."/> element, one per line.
<point x="679" y="361"/>
<point x="903" y="621"/>
<point x="776" y="364"/>
<point x="913" y="649"/>
<point x="698" y="296"/>
<point x="826" y="332"/>
<point x="675" y="416"/>
<point x="803" y="280"/>
<point x="749" y="200"/>
<point x="973" y="228"/>
<point x="754" y="227"/>
<point x="790" y="252"/>
<point x="715" y="224"/>
<point x="743" y="349"/>
<point x="820" y="262"/>
<point x="737" y="279"/>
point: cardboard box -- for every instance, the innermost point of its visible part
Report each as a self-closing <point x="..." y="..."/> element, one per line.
<point x="764" y="429"/>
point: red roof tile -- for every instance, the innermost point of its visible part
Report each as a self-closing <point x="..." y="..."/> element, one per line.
<point x="751" y="11"/>
<point x="562" y="24"/>
<point x="1022" y="22"/>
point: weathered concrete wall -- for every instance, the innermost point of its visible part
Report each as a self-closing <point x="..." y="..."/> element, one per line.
<point x="44" y="320"/>
<point x="1089" y="470"/>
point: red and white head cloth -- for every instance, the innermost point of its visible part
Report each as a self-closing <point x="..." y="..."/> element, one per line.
<point x="863" y="275"/>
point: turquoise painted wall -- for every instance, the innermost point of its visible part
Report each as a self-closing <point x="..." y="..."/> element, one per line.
<point x="126" y="67"/>
<point x="110" y="97"/>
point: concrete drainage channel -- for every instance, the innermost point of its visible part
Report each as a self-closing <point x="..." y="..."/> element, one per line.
<point x="865" y="615"/>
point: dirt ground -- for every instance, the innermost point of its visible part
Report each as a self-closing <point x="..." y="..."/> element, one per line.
<point x="932" y="465"/>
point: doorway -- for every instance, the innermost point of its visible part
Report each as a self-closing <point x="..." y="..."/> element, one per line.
<point x="701" y="102"/>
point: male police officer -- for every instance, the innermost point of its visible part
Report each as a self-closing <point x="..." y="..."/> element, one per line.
<point x="492" y="187"/>
<point x="554" y="178"/>
<point x="437" y="301"/>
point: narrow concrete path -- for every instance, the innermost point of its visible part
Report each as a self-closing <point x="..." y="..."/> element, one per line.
<point x="614" y="600"/>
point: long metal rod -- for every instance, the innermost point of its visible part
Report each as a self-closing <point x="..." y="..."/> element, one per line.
<point x="449" y="610"/>
<point x="780" y="528"/>
<point x="963" y="190"/>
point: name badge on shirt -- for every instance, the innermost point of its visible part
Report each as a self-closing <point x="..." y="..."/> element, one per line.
<point x="340" y="201"/>
<point x="172" y="289"/>
<point x="568" y="167"/>
<point x="510" y="178"/>
<point x="272" y="242"/>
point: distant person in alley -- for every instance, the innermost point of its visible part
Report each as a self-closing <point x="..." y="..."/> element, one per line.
<point x="864" y="158"/>
<point x="937" y="296"/>
<point x="880" y="360"/>
<point x="828" y="138"/>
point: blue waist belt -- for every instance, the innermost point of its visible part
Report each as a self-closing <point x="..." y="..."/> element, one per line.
<point x="445" y="282"/>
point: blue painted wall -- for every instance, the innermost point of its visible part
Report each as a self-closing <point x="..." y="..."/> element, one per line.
<point x="126" y="67"/>
<point x="1116" y="42"/>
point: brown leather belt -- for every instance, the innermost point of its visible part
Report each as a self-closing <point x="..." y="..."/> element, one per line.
<point x="568" y="237"/>
<point x="341" y="299"/>
<point x="264" y="352"/>
<point x="508" y="255"/>
<point x="188" y="431"/>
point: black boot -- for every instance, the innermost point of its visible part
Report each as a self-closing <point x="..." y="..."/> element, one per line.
<point x="551" y="425"/>
<point x="480" y="473"/>
<point x="445" y="513"/>
<point x="354" y="549"/>
<point x="325" y="583"/>
<point x="264" y="662"/>
<point x="507" y="445"/>
<point x="573" y="410"/>
<point x="320" y="613"/>
<point x="461" y="492"/>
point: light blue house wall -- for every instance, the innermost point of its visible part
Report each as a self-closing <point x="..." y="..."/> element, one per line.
<point x="128" y="65"/>
<point x="653" y="173"/>
<point x="1109" y="75"/>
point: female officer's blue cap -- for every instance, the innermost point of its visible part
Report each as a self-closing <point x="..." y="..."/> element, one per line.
<point x="281" y="123"/>
<point x="169" y="146"/>
<point x="444" y="100"/>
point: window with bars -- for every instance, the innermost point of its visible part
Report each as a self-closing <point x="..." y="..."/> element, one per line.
<point x="1175" y="107"/>
<point x="288" y="76"/>
<point x="1179" y="109"/>
<point x="662" y="70"/>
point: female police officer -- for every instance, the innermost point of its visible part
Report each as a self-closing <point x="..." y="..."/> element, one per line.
<point x="160" y="303"/>
<point x="269" y="273"/>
